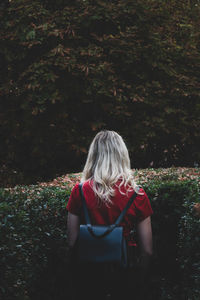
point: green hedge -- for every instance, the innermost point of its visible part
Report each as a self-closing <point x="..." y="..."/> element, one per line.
<point x="188" y="250"/>
<point x="172" y="202"/>
<point x="33" y="238"/>
<point x="33" y="251"/>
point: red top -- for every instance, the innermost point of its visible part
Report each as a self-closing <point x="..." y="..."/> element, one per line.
<point x="101" y="214"/>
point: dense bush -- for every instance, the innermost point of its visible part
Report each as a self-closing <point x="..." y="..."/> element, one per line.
<point x="34" y="256"/>
<point x="175" y="246"/>
<point x="188" y="249"/>
<point x="33" y="242"/>
<point x="72" y="68"/>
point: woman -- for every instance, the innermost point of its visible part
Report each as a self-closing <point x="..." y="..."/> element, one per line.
<point x="108" y="184"/>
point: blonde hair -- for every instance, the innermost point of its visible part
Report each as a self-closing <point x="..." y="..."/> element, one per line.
<point x="107" y="162"/>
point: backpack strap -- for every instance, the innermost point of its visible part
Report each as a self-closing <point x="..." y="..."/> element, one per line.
<point x="121" y="216"/>
<point x="87" y="218"/>
<point x="110" y="227"/>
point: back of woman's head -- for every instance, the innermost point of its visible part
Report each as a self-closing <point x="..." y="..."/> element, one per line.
<point x="107" y="163"/>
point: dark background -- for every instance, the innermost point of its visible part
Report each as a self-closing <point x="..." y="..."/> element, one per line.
<point x="72" y="68"/>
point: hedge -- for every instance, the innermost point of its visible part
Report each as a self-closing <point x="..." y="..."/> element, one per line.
<point x="34" y="250"/>
<point x="173" y="202"/>
<point x="188" y="250"/>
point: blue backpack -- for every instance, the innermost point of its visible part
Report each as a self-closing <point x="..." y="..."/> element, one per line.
<point x="101" y="243"/>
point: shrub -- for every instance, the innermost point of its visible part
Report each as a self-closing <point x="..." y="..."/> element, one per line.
<point x="168" y="199"/>
<point x="34" y="250"/>
<point x="33" y="238"/>
<point x="130" y="66"/>
<point x="188" y="248"/>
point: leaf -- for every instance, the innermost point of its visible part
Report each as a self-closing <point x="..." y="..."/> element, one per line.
<point x="31" y="35"/>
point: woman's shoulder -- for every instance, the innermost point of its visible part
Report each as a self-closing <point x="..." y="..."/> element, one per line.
<point x="129" y="188"/>
<point x="143" y="204"/>
<point x="141" y="194"/>
<point x="86" y="187"/>
<point x="75" y="187"/>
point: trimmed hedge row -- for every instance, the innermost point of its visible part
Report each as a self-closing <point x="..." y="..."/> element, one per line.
<point x="175" y="243"/>
<point x="33" y="238"/>
<point x="189" y="250"/>
<point x="34" y="250"/>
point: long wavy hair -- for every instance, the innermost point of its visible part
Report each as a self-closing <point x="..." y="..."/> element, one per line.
<point x="107" y="163"/>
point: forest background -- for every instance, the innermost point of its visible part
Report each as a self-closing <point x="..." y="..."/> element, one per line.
<point x="72" y="68"/>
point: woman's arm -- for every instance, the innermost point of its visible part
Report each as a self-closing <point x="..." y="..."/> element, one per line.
<point x="145" y="237"/>
<point x="144" y="231"/>
<point x="73" y="223"/>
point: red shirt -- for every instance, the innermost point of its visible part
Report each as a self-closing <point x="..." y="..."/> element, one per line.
<point x="101" y="214"/>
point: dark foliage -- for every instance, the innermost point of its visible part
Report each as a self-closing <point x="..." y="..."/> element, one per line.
<point x="34" y="261"/>
<point x="72" y="68"/>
